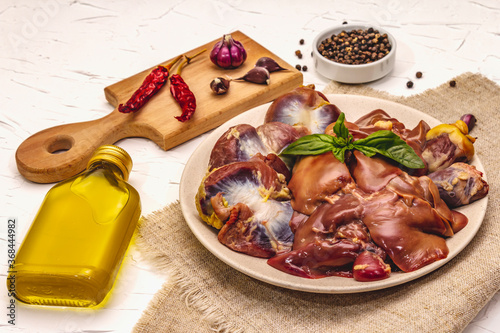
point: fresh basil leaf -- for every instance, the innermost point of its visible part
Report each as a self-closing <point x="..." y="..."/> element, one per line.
<point x="390" y="145"/>
<point x="383" y="142"/>
<point x="340" y="142"/>
<point x="368" y="151"/>
<point x="314" y="144"/>
<point x="339" y="153"/>
<point x="340" y="129"/>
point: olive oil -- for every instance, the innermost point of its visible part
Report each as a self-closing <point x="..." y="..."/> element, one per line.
<point x="75" y="245"/>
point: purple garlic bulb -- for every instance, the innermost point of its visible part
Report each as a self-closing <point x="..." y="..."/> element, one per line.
<point x="228" y="53"/>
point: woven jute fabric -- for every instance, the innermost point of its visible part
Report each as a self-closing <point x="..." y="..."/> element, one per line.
<point x="202" y="294"/>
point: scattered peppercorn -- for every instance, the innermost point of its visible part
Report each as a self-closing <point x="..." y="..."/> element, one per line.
<point x="418" y="75"/>
<point x="298" y="53"/>
<point x="345" y="22"/>
<point x="304" y="68"/>
<point x="409" y="84"/>
<point x="301" y="42"/>
<point x="298" y="67"/>
<point x="453" y="83"/>
<point x="355" y="47"/>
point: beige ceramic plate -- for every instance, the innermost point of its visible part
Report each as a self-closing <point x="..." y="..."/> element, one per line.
<point x="353" y="107"/>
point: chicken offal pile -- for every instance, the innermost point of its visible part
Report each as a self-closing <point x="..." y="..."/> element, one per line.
<point x="316" y="213"/>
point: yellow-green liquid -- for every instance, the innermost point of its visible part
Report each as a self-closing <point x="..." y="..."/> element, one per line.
<point x="73" y="250"/>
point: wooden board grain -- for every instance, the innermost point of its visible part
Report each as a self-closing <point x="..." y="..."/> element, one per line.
<point x="212" y="110"/>
<point x="59" y="152"/>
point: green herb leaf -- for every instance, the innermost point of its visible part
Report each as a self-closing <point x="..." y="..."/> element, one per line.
<point x="314" y="144"/>
<point x="339" y="153"/>
<point x="389" y="145"/>
<point x="340" y="129"/>
<point x="385" y="143"/>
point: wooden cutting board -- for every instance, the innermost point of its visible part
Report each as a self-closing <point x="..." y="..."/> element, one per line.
<point x="59" y="152"/>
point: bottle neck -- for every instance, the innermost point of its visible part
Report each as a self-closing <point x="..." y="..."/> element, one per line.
<point x="101" y="164"/>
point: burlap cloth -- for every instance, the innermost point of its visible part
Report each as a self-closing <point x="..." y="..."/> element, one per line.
<point x="202" y="294"/>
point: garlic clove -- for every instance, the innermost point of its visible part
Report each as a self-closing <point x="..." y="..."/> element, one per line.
<point x="469" y="120"/>
<point x="219" y="85"/>
<point x="224" y="57"/>
<point x="270" y="64"/>
<point x="258" y="75"/>
<point x="238" y="53"/>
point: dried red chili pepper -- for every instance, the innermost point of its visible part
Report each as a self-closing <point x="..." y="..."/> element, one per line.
<point x="181" y="93"/>
<point x="149" y="87"/>
<point x="184" y="96"/>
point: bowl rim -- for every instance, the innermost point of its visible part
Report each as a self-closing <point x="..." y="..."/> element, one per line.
<point x="348" y="27"/>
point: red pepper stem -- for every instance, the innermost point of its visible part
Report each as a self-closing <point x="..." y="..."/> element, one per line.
<point x="170" y="64"/>
<point x="187" y="60"/>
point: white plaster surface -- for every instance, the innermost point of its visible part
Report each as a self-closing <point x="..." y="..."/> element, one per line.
<point x="57" y="56"/>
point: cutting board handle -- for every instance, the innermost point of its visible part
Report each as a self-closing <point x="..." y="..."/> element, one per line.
<point x="60" y="152"/>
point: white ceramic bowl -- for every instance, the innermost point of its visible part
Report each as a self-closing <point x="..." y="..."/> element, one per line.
<point x="353" y="73"/>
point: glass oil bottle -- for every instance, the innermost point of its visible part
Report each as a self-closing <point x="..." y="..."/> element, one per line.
<point x="75" y="245"/>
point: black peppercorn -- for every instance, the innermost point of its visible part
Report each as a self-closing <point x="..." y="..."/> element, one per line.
<point x="304" y="68"/>
<point x="409" y="84"/>
<point x="298" y="67"/>
<point x="453" y="83"/>
<point x="301" y="42"/>
<point x="418" y="75"/>
<point x="356" y="46"/>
